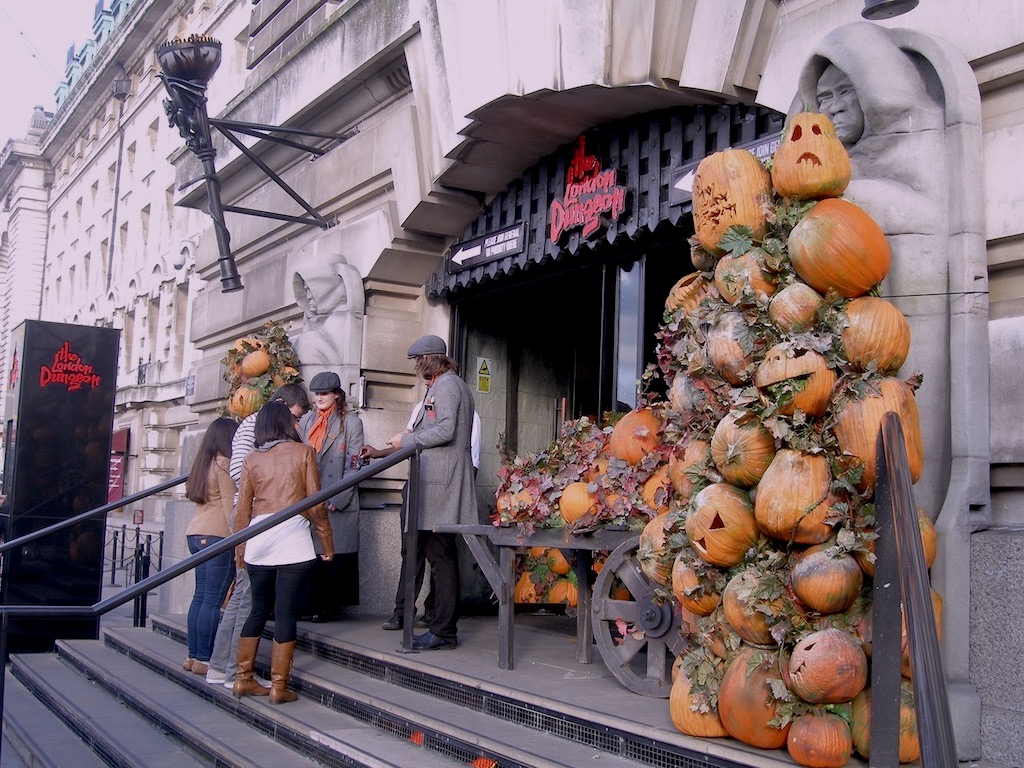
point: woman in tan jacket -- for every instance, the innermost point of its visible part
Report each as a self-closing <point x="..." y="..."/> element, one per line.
<point x="278" y="473"/>
<point x="211" y="488"/>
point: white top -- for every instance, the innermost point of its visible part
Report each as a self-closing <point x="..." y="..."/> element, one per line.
<point x="286" y="543"/>
<point x="474" y="438"/>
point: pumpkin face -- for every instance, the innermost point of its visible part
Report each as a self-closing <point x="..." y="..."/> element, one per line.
<point x="246" y="401"/>
<point x="576" y="501"/>
<point x="525" y="590"/>
<point x="746" y="703"/>
<point x="828" y="667"/>
<point x="876" y="333"/>
<point x="793" y="499"/>
<point x="795" y="308"/>
<point x="811" y="162"/>
<point x="730" y="188"/>
<point x="820" y="740"/>
<point x="742" y="449"/>
<point x="740" y="278"/>
<point x="721" y="524"/>
<point x="795" y="379"/>
<point x="839" y="246"/>
<point x="635" y="436"/>
<point x="858" y="422"/>
<point x="826" y="582"/>
<point x="688" y="293"/>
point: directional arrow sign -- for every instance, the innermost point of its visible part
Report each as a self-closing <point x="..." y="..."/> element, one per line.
<point x="504" y="242"/>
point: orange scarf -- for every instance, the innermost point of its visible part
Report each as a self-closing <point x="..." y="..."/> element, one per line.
<point x="318" y="432"/>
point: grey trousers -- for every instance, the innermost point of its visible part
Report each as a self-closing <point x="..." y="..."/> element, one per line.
<point x="225" y="644"/>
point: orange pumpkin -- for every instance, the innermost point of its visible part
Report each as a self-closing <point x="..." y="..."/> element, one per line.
<point x="909" y="749"/>
<point x="576" y="501"/>
<point x="689" y="397"/>
<point x="825" y="580"/>
<point x="720" y="524"/>
<point x="839" y="246"/>
<point x="246" y="401"/>
<point x="876" y="333"/>
<point x="732" y="345"/>
<point x="564" y="591"/>
<point x="820" y="740"/>
<point x="795" y="308"/>
<point x="805" y="376"/>
<point x="255" y="363"/>
<point x="742" y="448"/>
<point x="828" y="667"/>
<point x="688" y="589"/>
<point x="811" y="162"/>
<point x="929" y="543"/>
<point x="688" y="293"/>
<point x="657" y="491"/>
<point x="746" y="703"/>
<point x="730" y="188"/>
<point x="557" y="563"/>
<point x="740" y="279"/>
<point x="247" y="344"/>
<point x="793" y="499"/>
<point x="748" y="617"/>
<point x="635" y="436"/>
<point x="858" y="422"/>
<point x="687" y="717"/>
<point x="653" y="552"/>
<point x="525" y="590"/>
<point x="694" y="457"/>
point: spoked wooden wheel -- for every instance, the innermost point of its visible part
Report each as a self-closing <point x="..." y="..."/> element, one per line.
<point x="642" y="659"/>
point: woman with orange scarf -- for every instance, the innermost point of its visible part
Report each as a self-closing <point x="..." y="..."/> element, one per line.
<point x="336" y="436"/>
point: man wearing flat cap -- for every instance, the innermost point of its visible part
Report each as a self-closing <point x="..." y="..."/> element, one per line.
<point x="443" y="430"/>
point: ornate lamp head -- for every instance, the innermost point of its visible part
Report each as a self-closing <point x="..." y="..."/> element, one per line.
<point x="886" y="9"/>
<point x="195" y="58"/>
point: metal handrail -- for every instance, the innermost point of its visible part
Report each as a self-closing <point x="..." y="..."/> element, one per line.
<point x="190" y="562"/>
<point x="91" y="513"/>
<point x="901" y="579"/>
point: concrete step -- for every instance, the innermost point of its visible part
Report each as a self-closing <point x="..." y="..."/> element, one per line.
<point x="235" y="733"/>
<point x="34" y="735"/>
<point x="105" y="725"/>
<point x="444" y="727"/>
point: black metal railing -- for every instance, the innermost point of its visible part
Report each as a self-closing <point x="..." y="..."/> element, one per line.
<point x="145" y="585"/>
<point x="901" y="586"/>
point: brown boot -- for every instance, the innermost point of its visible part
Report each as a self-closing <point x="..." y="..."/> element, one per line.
<point x="280" y="670"/>
<point x="244" y="684"/>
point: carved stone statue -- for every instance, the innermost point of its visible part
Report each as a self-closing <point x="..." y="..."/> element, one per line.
<point x="330" y="292"/>
<point x="907" y="107"/>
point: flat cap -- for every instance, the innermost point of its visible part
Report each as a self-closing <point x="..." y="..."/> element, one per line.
<point x="326" y="381"/>
<point x="428" y="345"/>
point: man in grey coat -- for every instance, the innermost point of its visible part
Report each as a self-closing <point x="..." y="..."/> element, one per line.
<point x="443" y="430"/>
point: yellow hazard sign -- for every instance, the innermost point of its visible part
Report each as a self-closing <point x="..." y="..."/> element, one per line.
<point x="483" y="375"/>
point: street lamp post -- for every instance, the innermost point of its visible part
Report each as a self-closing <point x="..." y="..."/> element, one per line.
<point x="187" y="68"/>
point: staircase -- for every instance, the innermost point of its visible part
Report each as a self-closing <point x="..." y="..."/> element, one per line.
<point x="124" y="700"/>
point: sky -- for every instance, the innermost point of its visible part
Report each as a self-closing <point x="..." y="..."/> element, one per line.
<point x="34" y="39"/>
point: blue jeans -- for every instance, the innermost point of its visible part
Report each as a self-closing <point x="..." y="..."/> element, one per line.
<point x="225" y="645"/>
<point x="212" y="581"/>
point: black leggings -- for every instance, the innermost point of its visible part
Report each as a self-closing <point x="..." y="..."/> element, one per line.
<point x="281" y="590"/>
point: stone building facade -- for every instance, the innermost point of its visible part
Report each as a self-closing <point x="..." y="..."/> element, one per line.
<point x="458" y="118"/>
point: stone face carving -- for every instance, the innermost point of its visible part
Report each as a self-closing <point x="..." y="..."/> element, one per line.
<point x="907" y="107"/>
<point x="330" y="292"/>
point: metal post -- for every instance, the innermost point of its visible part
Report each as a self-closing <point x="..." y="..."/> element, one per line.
<point x="113" y="558"/>
<point x="410" y="531"/>
<point x="124" y="537"/>
<point x="160" y="552"/>
<point x="137" y="620"/>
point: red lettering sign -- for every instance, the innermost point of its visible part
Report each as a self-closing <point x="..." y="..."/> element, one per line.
<point x="68" y="369"/>
<point x="590" y="193"/>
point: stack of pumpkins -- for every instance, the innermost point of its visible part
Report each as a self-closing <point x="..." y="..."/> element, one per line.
<point x="255" y="366"/>
<point x="780" y="360"/>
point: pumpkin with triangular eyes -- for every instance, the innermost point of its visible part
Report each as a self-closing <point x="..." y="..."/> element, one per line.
<point x="811" y="161"/>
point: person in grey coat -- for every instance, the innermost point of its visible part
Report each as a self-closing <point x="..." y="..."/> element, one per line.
<point x="443" y="430"/>
<point x="337" y="437"/>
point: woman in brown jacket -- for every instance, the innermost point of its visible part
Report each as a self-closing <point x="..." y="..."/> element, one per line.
<point x="279" y="472"/>
<point x="211" y="488"/>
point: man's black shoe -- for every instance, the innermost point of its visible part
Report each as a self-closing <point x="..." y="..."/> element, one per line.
<point x="395" y="622"/>
<point x="424" y="621"/>
<point x="428" y="641"/>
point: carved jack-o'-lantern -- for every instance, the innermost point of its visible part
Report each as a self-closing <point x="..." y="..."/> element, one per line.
<point x="797" y="378"/>
<point x="730" y="188"/>
<point x="811" y="162"/>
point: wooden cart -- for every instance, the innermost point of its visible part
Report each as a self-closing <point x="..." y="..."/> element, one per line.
<point x="642" y="658"/>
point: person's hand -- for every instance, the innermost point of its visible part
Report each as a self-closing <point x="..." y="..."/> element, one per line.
<point x="396" y="441"/>
<point x="369" y="452"/>
<point x="240" y="556"/>
<point x="327" y="558"/>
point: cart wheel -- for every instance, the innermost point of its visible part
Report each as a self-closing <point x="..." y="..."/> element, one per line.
<point x="642" y="660"/>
